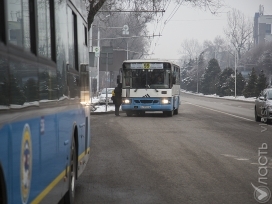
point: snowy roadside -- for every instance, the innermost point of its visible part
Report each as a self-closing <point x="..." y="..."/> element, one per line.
<point x="238" y="98"/>
<point x="100" y="108"/>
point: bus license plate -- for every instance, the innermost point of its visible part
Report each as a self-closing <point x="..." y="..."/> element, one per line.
<point x="145" y="107"/>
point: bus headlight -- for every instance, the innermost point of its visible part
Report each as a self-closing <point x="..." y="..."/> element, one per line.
<point x="165" y="101"/>
<point x="126" y="101"/>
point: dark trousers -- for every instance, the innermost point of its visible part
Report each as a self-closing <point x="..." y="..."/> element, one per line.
<point x="117" y="107"/>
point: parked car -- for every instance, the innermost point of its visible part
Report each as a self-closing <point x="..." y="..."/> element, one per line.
<point x="263" y="106"/>
<point x="102" y="96"/>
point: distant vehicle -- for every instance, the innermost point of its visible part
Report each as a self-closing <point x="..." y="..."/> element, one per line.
<point x="263" y="106"/>
<point x="150" y="85"/>
<point x="103" y="96"/>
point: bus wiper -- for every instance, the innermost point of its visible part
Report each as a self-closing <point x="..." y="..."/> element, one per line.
<point x="135" y="90"/>
<point x="156" y="90"/>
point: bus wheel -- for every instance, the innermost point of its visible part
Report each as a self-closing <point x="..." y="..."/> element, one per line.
<point x="176" y="111"/>
<point x="129" y="113"/>
<point x="69" y="197"/>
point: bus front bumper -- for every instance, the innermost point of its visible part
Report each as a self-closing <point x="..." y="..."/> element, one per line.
<point x="147" y="107"/>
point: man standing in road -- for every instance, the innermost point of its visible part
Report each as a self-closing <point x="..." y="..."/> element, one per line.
<point x="117" y="98"/>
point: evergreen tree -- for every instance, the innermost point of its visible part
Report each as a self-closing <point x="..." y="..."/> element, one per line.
<point x="200" y="69"/>
<point x="183" y="76"/>
<point x="210" y="78"/>
<point x="225" y="86"/>
<point x="250" y="87"/>
<point x="261" y="83"/>
<point x="240" y="84"/>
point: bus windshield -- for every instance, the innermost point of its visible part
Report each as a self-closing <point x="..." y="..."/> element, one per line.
<point x="141" y="78"/>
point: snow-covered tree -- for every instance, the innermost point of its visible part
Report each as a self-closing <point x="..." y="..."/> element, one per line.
<point x="261" y="83"/>
<point x="210" y="77"/>
<point x="250" y="87"/>
<point x="240" y="83"/>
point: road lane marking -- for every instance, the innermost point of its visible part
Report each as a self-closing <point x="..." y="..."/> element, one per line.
<point x="235" y="157"/>
<point x="236" y="116"/>
<point x="228" y="155"/>
<point x="242" y="159"/>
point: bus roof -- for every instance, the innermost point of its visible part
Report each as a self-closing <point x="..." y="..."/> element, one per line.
<point x="148" y="60"/>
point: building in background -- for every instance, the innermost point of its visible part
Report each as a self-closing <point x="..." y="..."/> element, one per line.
<point x="262" y="27"/>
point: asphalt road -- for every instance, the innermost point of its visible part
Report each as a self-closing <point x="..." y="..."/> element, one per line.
<point x="208" y="153"/>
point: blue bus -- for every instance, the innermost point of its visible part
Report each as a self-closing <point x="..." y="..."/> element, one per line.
<point x="44" y="100"/>
<point x="150" y="85"/>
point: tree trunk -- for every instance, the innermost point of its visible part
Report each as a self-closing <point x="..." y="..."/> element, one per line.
<point x="93" y="11"/>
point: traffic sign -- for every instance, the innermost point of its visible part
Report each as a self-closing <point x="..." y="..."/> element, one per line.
<point x="125" y="30"/>
<point x="96" y="50"/>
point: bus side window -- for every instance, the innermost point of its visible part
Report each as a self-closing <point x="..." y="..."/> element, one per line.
<point x="18" y="24"/>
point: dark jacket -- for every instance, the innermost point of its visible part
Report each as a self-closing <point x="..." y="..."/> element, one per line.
<point x="118" y="95"/>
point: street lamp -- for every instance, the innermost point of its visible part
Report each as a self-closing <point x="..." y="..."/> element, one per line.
<point x="236" y="58"/>
<point x="98" y="45"/>
<point x="197" y="75"/>
<point x="235" y="67"/>
<point x="126" y="32"/>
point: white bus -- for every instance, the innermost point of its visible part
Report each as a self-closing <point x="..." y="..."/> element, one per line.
<point x="150" y="85"/>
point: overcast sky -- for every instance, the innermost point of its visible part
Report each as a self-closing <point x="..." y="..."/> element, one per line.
<point x="194" y="23"/>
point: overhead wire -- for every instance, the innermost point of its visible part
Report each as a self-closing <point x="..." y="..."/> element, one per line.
<point x="173" y="12"/>
<point x="159" y="21"/>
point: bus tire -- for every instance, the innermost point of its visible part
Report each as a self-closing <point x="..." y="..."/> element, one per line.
<point x="3" y="192"/>
<point x="69" y="197"/>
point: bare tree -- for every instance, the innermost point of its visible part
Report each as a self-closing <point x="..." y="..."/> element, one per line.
<point x="217" y="49"/>
<point x="191" y="48"/>
<point x="93" y="6"/>
<point x="239" y="31"/>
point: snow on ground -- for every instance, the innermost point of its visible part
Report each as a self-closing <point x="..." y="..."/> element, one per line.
<point x="239" y="98"/>
<point x="102" y="108"/>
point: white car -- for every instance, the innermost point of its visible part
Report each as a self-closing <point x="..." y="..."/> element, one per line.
<point x="102" y="96"/>
<point x="263" y="106"/>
